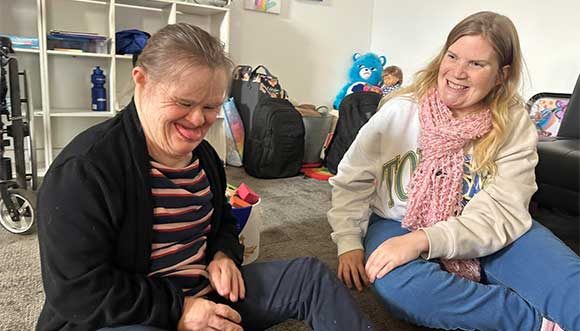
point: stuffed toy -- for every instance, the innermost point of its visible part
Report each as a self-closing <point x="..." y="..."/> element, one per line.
<point x="365" y="71"/>
<point x="392" y="79"/>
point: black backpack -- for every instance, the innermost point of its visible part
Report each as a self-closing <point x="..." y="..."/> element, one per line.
<point x="275" y="146"/>
<point x="354" y="111"/>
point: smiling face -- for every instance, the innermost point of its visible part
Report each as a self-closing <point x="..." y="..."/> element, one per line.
<point x="468" y="72"/>
<point x="390" y="80"/>
<point x="176" y="115"/>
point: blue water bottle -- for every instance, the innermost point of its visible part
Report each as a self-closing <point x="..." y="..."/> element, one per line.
<point x="98" y="92"/>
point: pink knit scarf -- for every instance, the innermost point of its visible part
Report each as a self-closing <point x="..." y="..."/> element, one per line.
<point x="435" y="188"/>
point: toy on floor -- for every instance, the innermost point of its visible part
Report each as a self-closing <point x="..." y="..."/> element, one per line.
<point x="245" y="208"/>
<point x="238" y="202"/>
<point x="366" y="71"/>
<point x="247" y="194"/>
<point x="392" y="79"/>
<point x="241" y="196"/>
<point x="316" y="172"/>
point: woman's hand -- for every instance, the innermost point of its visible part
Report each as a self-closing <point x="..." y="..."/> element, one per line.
<point x="226" y="278"/>
<point x="351" y="269"/>
<point x="394" y="252"/>
<point x="203" y="315"/>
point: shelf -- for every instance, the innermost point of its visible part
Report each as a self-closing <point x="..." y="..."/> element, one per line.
<point x="182" y="7"/>
<point x="69" y="113"/>
<point x="63" y="110"/>
<point x="94" y="2"/>
<point x="26" y="50"/>
<point x="80" y="54"/>
<point x="82" y="114"/>
<point x="40" y="172"/>
<point x="157" y="5"/>
<point x="195" y="9"/>
<point x="124" y="57"/>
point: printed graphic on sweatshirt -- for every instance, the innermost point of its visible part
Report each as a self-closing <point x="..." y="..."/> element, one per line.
<point x="473" y="182"/>
<point x="397" y="175"/>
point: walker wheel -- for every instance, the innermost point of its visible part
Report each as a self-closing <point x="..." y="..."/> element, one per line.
<point x="25" y="201"/>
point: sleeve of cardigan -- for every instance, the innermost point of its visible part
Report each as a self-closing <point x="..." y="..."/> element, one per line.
<point x="78" y="232"/>
<point x="226" y="240"/>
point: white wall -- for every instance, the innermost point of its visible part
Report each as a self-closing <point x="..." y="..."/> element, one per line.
<point x="411" y="32"/>
<point x="308" y="46"/>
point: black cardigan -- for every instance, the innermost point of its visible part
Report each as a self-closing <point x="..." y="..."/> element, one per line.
<point x="95" y="220"/>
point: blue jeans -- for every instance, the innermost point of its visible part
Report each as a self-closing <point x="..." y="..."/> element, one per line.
<point x="535" y="276"/>
<point x="303" y="289"/>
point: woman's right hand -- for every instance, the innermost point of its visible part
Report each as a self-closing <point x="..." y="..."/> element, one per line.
<point x="351" y="269"/>
<point x="203" y="315"/>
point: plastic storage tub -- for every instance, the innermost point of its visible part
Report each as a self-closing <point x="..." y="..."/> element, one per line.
<point x="89" y="45"/>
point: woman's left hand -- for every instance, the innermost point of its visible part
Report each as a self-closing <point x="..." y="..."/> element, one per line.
<point x="226" y="278"/>
<point x="394" y="252"/>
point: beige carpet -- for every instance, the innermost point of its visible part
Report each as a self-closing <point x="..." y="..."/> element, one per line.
<point x="294" y="225"/>
<point x="21" y="294"/>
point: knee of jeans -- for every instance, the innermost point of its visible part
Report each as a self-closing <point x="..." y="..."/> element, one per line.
<point x="311" y="264"/>
<point x="400" y="292"/>
<point x="315" y="268"/>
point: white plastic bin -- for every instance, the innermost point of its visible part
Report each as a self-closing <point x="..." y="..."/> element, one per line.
<point x="249" y="224"/>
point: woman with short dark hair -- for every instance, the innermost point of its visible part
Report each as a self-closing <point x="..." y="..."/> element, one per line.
<point x="135" y="231"/>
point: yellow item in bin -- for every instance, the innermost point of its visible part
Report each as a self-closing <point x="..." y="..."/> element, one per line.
<point x="230" y="191"/>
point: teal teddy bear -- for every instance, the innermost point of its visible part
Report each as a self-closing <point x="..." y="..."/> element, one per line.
<point x="366" y="70"/>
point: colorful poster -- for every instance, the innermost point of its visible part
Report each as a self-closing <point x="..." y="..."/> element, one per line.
<point x="547" y="113"/>
<point x="266" y="6"/>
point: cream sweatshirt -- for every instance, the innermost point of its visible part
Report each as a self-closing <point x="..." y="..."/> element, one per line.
<point x="374" y="174"/>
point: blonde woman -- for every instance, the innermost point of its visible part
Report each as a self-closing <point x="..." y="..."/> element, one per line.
<point x="445" y="170"/>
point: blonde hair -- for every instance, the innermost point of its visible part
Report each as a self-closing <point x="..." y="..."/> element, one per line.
<point x="501" y="33"/>
<point x="176" y="47"/>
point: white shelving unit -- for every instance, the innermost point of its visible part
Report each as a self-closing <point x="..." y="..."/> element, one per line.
<point x="61" y="80"/>
<point x="23" y="18"/>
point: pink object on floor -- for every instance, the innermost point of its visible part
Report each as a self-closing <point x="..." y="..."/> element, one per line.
<point x="247" y="194"/>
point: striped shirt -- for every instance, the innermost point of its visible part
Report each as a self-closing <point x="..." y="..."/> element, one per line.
<point x="182" y="211"/>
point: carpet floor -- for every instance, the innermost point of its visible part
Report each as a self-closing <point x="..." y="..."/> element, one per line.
<point x="294" y="225"/>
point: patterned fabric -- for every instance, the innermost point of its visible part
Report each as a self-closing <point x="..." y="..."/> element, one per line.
<point x="267" y="83"/>
<point x="388" y="89"/>
<point x="182" y="211"/>
<point x="435" y="190"/>
<point x="473" y="181"/>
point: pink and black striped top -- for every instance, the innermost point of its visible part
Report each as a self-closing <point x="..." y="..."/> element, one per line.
<point x="182" y="211"/>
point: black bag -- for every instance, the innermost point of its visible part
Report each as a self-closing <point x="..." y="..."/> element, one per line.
<point x="248" y="86"/>
<point x="275" y="147"/>
<point x="354" y="111"/>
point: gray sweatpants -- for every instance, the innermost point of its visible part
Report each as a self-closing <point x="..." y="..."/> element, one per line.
<point x="303" y="289"/>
